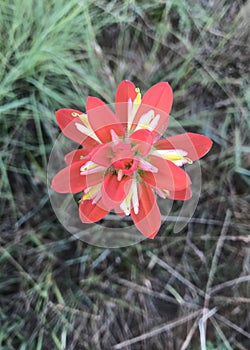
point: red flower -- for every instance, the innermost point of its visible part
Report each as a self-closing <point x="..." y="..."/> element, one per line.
<point x="123" y="164"/>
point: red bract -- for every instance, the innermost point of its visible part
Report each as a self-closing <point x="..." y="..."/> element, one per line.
<point x="123" y="164"/>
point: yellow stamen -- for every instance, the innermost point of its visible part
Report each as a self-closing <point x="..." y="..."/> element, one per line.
<point x="173" y="157"/>
<point x="84" y="119"/>
<point x="92" y="191"/>
<point x="189" y="160"/>
<point x="166" y="192"/>
<point x="128" y="198"/>
<point x="137" y="100"/>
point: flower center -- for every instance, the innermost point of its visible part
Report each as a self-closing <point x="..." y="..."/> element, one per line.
<point x="128" y="166"/>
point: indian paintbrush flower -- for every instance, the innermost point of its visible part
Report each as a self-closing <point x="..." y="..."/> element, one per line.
<point x="123" y="165"/>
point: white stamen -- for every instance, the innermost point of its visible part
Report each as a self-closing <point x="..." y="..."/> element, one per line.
<point x="92" y="192"/>
<point x="125" y="207"/>
<point x="160" y="193"/>
<point x="179" y="162"/>
<point x="147" y="166"/>
<point x="126" y="204"/>
<point x="86" y="131"/>
<point x="82" y="128"/>
<point x="119" y="175"/>
<point x="177" y="152"/>
<point x="87" y="189"/>
<point x="97" y="197"/>
<point x="92" y="171"/>
<point x="131" y="113"/>
<point x="176" y="156"/>
<point x="90" y="168"/>
<point x="88" y="165"/>
<point x="153" y="124"/>
<point x="145" y="119"/>
<point x="114" y="136"/>
<point x="135" y="199"/>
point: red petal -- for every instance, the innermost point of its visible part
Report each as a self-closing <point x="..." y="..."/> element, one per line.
<point x="148" y="219"/>
<point x="182" y="195"/>
<point x="149" y="177"/>
<point x="94" y="179"/>
<point x="90" y="213"/>
<point x="67" y="124"/>
<point x="159" y="98"/>
<point x="195" y="145"/>
<point x="69" y="179"/>
<point x="124" y="92"/>
<point x="143" y="140"/>
<point x="102" y="119"/>
<point x="169" y="176"/>
<point x="114" y="191"/>
<point x="103" y="154"/>
<point x="75" y="156"/>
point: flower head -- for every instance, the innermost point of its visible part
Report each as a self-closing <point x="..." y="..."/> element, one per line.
<point x="123" y="164"/>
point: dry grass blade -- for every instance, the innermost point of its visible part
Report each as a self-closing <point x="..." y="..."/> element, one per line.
<point x="232" y="325"/>
<point x="81" y="313"/>
<point x="142" y="289"/>
<point x="214" y="264"/>
<point x="145" y="290"/>
<point x="231" y="300"/>
<point x="175" y="273"/>
<point x="226" y="343"/>
<point x="206" y="314"/>
<point x="190" y="334"/>
<point x="217" y="252"/>
<point x="226" y="284"/>
<point x="164" y="328"/>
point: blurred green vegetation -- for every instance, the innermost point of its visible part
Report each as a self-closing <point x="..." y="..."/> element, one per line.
<point x="59" y="293"/>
